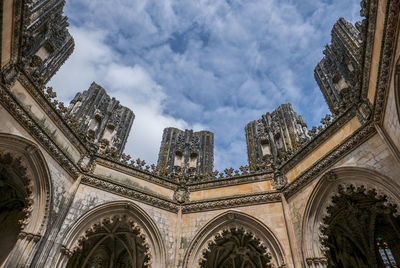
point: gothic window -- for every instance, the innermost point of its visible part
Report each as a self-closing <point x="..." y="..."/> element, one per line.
<point x="44" y="52"/>
<point x="114" y="242"/>
<point x="355" y="220"/>
<point x="265" y="148"/>
<point x="178" y="161"/>
<point x="109" y="132"/>
<point x="278" y="141"/>
<point x="193" y="160"/>
<point x="94" y="125"/>
<point x="235" y="248"/>
<point x="339" y="83"/>
<point x="385" y="253"/>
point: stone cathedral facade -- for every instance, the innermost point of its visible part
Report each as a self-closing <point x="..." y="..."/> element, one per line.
<point x="310" y="197"/>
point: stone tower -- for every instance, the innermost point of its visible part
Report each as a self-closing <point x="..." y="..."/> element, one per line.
<point x="338" y="71"/>
<point x="104" y="120"/>
<point x="186" y="151"/>
<point x="275" y="135"/>
<point x="46" y="42"/>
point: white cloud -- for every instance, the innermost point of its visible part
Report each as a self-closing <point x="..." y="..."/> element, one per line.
<point x="201" y="64"/>
<point x="93" y="60"/>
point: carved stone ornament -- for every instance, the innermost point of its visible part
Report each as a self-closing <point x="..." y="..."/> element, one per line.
<point x="279" y="181"/>
<point x="181" y="194"/>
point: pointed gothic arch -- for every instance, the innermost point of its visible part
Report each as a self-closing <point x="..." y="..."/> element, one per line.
<point x="135" y="221"/>
<point x="238" y="221"/>
<point x="26" y="176"/>
<point x="320" y="200"/>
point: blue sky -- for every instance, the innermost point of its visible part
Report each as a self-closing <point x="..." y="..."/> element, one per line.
<point x="205" y="64"/>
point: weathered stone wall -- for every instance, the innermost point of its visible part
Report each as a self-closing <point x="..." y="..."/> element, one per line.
<point x="372" y="155"/>
<point x="87" y="198"/>
<point x="271" y="215"/>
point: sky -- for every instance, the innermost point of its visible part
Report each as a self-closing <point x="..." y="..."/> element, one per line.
<point x="205" y="64"/>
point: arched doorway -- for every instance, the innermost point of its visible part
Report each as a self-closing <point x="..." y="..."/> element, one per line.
<point x="25" y="199"/>
<point x="350" y="220"/>
<point x="116" y="234"/>
<point x="361" y="230"/>
<point x="234" y="239"/>
<point x="235" y="247"/>
<point x="14" y="202"/>
<point x="115" y="242"/>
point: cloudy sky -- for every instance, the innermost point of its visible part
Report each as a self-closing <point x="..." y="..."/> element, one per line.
<point x="201" y="64"/>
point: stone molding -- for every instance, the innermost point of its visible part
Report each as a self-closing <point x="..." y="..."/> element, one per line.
<point x="36" y="131"/>
<point x="24" y="156"/>
<point x="386" y="59"/>
<point x="319" y="139"/>
<point x="341" y="150"/>
<point x="130" y="192"/>
<point x="131" y="171"/>
<point x="369" y="11"/>
<point x="234" y="201"/>
<point x="231" y="181"/>
<point x="51" y="112"/>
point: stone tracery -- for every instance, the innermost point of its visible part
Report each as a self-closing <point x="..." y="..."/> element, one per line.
<point x="355" y="220"/>
<point x="25" y="185"/>
<point x="238" y="235"/>
<point x="364" y="191"/>
<point x="235" y="247"/>
<point x="15" y="201"/>
<point x="115" y="241"/>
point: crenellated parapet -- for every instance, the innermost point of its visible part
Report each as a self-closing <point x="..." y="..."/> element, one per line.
<point x="105" y="122"/>
<point x="186" y="152"/>
<point x="272" y="138"/>
<point x="338" y="73"/>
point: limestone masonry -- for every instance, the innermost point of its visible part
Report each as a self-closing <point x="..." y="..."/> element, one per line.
<point x="321" y="196"/>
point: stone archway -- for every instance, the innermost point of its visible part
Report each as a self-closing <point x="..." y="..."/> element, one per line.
<point x="235" y="247"/>
<point x="358" y="222"/>
<point x="116" y="241"/>
<point x="115" y="234"/>
<point x="341" y="198"/>
<point x="25" y="199"/>
<point x="15" y="199"/>
<point x="240" y="237"/>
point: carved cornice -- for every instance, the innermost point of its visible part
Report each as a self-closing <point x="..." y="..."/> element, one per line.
<point x="132" y="171"/>
<point x="386" y="58"/>
<point x="132" y="193"/>
<point x="51" y="112"/>
<point x="231" y="181"/>
<point x="319" y="139"/>
<point x="235" y="201"/>
<point x="341" y="150"/>
<point x="35" y="130"/>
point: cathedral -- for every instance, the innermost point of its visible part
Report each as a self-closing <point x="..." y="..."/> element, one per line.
<point x="325" y="196"/>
